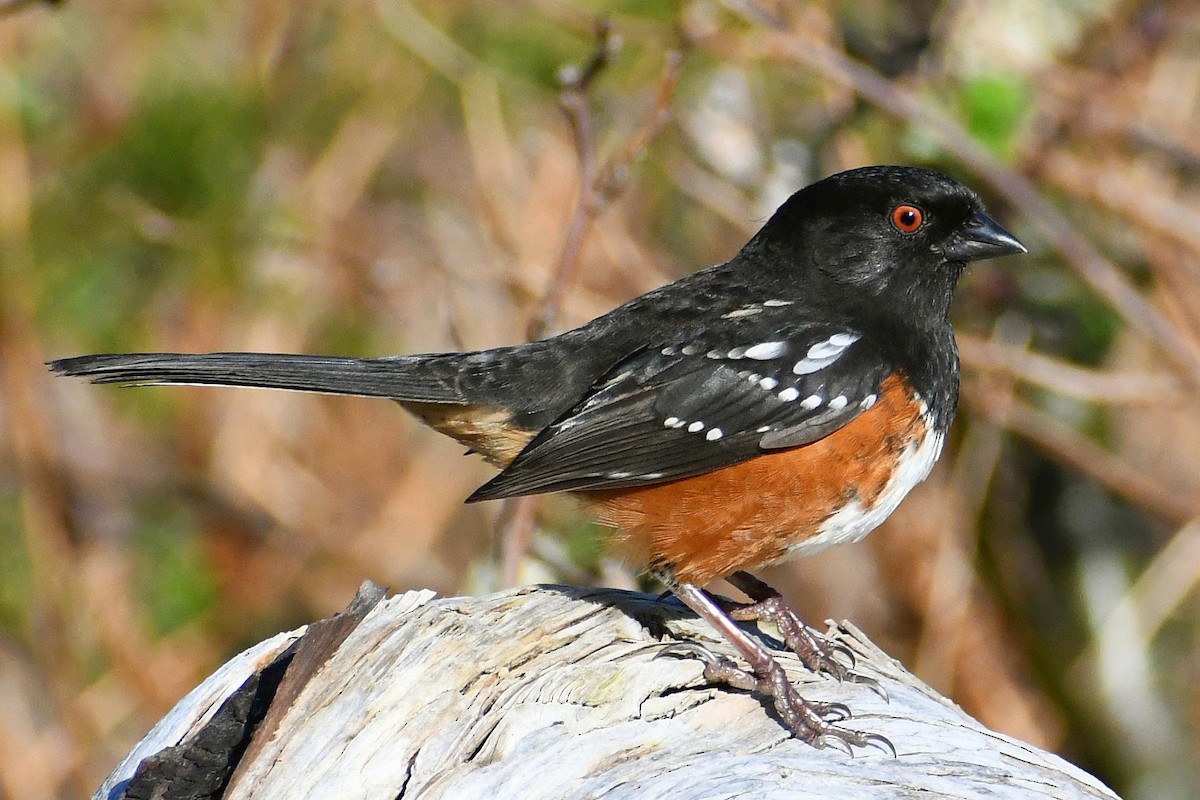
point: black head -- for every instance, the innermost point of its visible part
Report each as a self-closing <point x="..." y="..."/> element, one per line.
<point x="883" y="240"/>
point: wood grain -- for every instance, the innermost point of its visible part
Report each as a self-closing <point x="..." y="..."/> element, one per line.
<point x="556" y="692"/>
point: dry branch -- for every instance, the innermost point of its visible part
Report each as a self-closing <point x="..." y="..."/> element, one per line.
<point x="551" y="692"/>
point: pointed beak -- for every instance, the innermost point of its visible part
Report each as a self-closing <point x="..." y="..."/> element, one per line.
<point x="981" y="237"/>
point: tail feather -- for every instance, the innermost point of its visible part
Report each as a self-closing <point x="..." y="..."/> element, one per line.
<point x="410" y="378"/>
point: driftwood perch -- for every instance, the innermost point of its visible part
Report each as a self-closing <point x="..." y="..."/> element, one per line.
<point x="550" y="692"/>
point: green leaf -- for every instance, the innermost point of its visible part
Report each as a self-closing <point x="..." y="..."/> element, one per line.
<point x="993" y="106"/>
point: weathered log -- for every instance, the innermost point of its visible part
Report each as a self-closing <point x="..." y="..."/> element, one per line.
<point x="551" y="692"/>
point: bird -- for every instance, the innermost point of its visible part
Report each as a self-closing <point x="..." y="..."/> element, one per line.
<point x="767" y="407"/>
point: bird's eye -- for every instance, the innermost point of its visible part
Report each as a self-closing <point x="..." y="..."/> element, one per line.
<point x="906" y="218"/>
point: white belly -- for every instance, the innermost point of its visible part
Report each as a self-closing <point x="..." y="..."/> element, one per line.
<point x="852" y="521"/>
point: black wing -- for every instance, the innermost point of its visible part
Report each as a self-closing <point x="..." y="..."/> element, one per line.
<point x="681" y="410"/>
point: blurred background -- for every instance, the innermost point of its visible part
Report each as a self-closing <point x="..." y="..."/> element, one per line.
<point x="394" y="176"/>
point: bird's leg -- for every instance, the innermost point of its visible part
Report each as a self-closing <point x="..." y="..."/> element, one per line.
<point x="816" y="652"/>
<point x="768" y="605"/>
<point x="808" y="720"/>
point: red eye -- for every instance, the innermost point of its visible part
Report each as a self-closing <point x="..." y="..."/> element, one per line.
<point x="907" y="218"/>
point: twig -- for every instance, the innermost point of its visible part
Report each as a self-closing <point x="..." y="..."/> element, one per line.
<point x="1110" y="388"/>
<point x="714" y="193"/>
<point x="517" y="516"/>
<point x="1154" y="597"/>
<point x="1070" y="448"/>
<point x="514" y="534"/>
<point x="425" y="40"/>
<point x="13" y="6"/>
<point x="573" y="99"/>
<point x="598" y="187"/>
<point x="614" y="175"/>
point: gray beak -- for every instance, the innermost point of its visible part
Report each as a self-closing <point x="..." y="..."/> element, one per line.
<point x="981" y="237"/>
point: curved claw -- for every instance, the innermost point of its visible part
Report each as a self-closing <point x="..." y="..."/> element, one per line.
<point x="841" y="649"/>
<point x="688" y="650"/>
<point x="835" y="712"/>
<point x="833" y="741"/>
<point x="872" y="684"/>
<point x="880" y="743"/>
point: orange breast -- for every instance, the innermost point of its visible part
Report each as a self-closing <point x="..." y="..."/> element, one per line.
<point x="750" y="514"/>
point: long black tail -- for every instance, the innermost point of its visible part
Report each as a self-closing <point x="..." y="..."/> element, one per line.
<point x="424" y="378"/>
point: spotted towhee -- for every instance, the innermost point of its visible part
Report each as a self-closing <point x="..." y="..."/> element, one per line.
<point x="767" y="407"/>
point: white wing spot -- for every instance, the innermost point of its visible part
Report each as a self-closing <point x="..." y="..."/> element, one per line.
<point x="869" y="401"/>
<point x="763" y="429"/>
<point x="737" y="352"/>
<point x="838" y="403"/>
<point x="668" y="351"/>
<point x="807" y="366"/>
<point x="833" y="346"/>
<point x="714" y="434"/>
<point x="764" y="351"/>
<point x="789" y="394"/>
<point x="651" y="475"/>
<point x="824" y="350"/>
<point x="777" y="303"/>
<point x="744" y="311"/>
<point x="689" y="350"/>
<point x="696" y="427"/>
<point x="768" y="383"/>
<point x="620" y="475"/>
<point x="671" y="422"/>
<point x="714" y="354"/>
<point x="810" y="402"/>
